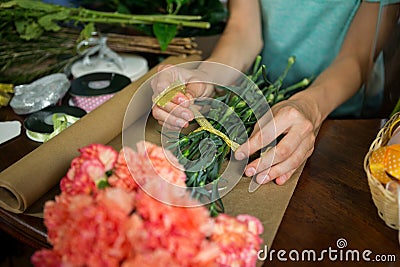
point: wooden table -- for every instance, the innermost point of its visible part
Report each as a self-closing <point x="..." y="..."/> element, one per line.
<point x="332" y="199"/>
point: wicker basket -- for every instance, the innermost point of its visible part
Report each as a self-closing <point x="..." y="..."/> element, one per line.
<point x="385" y="201"/>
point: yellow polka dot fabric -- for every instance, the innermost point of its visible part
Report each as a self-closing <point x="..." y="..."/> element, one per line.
<point x="392" y="161"/>
<point x="384" y="163"/>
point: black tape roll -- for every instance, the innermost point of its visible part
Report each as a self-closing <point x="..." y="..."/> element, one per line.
<point x="41" y="121"/>
<point x="100" y="83"/>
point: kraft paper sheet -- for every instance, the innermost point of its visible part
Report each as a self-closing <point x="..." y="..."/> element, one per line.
<point x="27" y="184"/>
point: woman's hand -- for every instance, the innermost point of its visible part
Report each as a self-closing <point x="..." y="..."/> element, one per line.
<point x="295" y="120"/>
<point x="176" y="114"/>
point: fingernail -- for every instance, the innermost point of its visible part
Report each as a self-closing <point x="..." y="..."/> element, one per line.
<point x="181" y="100"/>
<point x="283" y="179"/>
<point x="250" y="171"/>
<point x="262" y="179"/>
<point x="240" y="155"/>
<point x="186" y="116"/>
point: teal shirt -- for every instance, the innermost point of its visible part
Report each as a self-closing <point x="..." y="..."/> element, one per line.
<point x="311" y="30"/>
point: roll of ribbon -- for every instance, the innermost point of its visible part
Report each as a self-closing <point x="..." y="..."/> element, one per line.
<point x="43" y="125"/>
<point x="60" y="123"/>
<point x="89" y="103"/>
<point x="91" y="90"/>
<point x="133" y="66"/>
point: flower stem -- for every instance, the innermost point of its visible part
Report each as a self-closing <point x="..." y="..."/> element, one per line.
<point x="302" y="83"/>
<point x="289" y="65"/>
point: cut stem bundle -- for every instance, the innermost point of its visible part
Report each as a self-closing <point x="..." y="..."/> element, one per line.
<point x="248" y="104"/>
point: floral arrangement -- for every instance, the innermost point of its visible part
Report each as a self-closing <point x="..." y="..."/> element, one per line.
<point x="105" y="215"/>
<point x="248" y="101"/>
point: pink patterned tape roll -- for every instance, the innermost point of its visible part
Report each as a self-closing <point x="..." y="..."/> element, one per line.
<point x="89" y="103"/>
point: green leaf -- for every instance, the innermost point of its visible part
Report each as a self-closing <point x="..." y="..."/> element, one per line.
<point x="47" y="22"/>
<point x="123" y="9"/>
<point x="396" y="108"/>
<point x="87" y="32"/>
<point x="164" y="34"/>
<point x="28" y="29"/>
<point x="179" y="4"/>
<point x="102" y="184"/>
<point x="38" y="5"/>
<point x="8" y="4"/>
<point x="192" y="179"/>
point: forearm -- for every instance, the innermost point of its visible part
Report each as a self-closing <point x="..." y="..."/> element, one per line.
<point x="332" y="88"/>
<point x="241" y="40"/>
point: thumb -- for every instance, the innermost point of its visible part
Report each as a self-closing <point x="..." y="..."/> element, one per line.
<point x="162" y="79"/>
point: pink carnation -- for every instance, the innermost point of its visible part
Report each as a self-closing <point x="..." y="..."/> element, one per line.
<point x="157" y="258"/>
<point x="121" y="176"/>
<point x="253" y="224"/>
<point x="88" y="230"/>
<point x="46" y="258"/>
<point x="157" y="224"/>
<point x="181" y="231"/>
<point x="152" y="162"/>
<point x="86" y="175"/>
<point x="88" y="169"/>
<point x="238" y="239"/>
<point x="105" y="154"/>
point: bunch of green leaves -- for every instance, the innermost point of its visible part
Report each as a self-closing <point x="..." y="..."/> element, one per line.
<point x="247" y="101"/>
<point x="31" y="18"/>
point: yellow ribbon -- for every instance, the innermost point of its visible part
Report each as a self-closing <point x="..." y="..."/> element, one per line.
<point x="206" y="125"/>
<point x="5" y="90"/>
<point x="60" y="123"/>
<point x="178" y="87"/>
<point x="169" y="93"/>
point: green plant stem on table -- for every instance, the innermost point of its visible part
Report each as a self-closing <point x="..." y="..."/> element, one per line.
<point x="32" y="18"/>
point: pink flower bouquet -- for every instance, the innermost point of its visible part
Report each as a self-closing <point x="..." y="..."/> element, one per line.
<point x="107" y="215"/>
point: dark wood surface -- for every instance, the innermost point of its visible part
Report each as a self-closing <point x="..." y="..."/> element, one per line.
<point x="27" y="229"/>
<point x="332" y="199"/>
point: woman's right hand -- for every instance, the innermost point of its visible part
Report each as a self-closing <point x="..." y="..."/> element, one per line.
<point x="176" y="114"/>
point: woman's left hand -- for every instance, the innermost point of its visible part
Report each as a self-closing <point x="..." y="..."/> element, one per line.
<point x="294" y="120"/>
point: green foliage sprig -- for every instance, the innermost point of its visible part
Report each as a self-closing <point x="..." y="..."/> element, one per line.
<point x="32" y="18"/>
